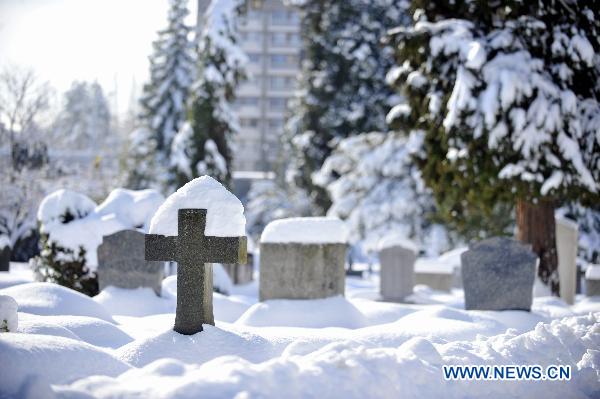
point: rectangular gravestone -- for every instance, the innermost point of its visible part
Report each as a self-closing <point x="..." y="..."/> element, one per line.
<point x="566" y="246"/>
<point x="194" y="253"/>
<point x="5" y="258"/>
<point x="592" y="280"/>
<point x="121" y="262"/>
<point x="241" y="274"/>
<point x="397" y="273"/>
<point x="498" y="274"/>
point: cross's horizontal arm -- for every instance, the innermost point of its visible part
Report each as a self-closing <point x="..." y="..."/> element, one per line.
<point x="161" y="248"/>
<point x="225" y="249"/>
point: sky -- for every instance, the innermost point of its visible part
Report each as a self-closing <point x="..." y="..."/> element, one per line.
<point x="65" y="40"/>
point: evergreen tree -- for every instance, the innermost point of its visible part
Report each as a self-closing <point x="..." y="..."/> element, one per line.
<point x="377" y="189"/>
<point x="171" y="75"/>
<point x="202" y="146"/>
<point x="342" y="85"/>
<point x="506" y="93"/>
<point x="84" y="121"/>
<point x="141" y="163"/>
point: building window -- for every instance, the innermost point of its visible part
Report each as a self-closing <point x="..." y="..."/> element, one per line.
<point x="247" y="102"/>
<point x="276" y="124"/>
<point x="254" y="58"/>
<point x="249" y="122"/>
<point x="278" y="103"/>
<point x="284" y="17"/>
<point x="281" y="82"/>
<point x="284" y="61"/>
<point x="251" y="37"/>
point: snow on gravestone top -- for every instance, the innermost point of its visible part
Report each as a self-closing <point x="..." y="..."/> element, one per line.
<point x="310" y="230"/>
<point x="224" y="211"/>
<point x="61" y="202"/>
<point x="397" y="240"/>
<point x="592" y="272"/>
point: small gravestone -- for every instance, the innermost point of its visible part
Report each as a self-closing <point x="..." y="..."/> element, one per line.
<point x="302" y="258"/>
<point x="194" y="253"/>
<point x="397" y="262"/>
<point x="498" y="274"/>
<point x="567" y="245"/>
<point x="592" y="280"/>
<point x="9" y="321"/>
<point x="242" y="273"/>
<point x="121" y="263"/>
<point x="4" y="256"/>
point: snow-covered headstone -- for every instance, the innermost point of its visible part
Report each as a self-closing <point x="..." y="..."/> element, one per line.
<point x="566" y="245"/>
<point x="592" y="280"/>
<point x="498" y="274"/>
<point x="8" y="314"/>
<point x="397" y="259"/>
<point x="200" y="224"/>
<point x="121" y="262"/>
<point x="302" y="258"/>
<point x="4" y="253"/>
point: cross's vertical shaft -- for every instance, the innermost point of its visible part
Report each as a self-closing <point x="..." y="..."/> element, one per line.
<point x="194" y="278"/>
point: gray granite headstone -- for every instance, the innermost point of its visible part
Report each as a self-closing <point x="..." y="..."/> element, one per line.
<point x="121" y="262"/>
<point x="194" y="253"/>
<point x="498" y="274"/>
<point x="4" y="258"/>
<point x="566" y="246"/>
<point x="241" y="273"/>
<point x="439" y="281"/>
<point x="592" y="282"/>
<point x="397" y="275"/>
<point x="301" y="270"/>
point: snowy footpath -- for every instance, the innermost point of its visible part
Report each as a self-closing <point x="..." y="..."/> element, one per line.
<point x="120" y="344"/>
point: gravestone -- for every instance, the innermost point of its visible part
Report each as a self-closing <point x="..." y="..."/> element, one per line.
<point x="566" y="245"/>
<point x="498" y="274"/>
<point x="397" y="272"/>
<point x="121" y="263"/>
<point x="298" y="262"/>
<point x="242" y="273"/>
<point x="4" y="256"/>
<point x="592" y="280"/>
<point x="194" y="253"/>
<point x="439" y="281"/>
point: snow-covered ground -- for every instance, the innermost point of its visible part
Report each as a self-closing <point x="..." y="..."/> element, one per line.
<point x="120" y="344"/>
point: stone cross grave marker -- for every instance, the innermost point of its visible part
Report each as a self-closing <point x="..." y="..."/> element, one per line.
<point x="194" y="252"/>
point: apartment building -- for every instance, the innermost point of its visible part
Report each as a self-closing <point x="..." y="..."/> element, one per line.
<point x="269" y="33"/>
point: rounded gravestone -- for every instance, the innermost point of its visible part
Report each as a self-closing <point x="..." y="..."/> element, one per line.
<point x="302" y="258"/>
<point x="498" y="274"/>
<point x="397" y="268"/>
<point x="592" y="280"/>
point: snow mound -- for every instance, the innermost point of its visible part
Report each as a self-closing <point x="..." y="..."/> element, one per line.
<point x="48" y="299"/>
<point x="196" y="349"/>
<point x="411" y="370"/>
<point x="308" y="230"/>
<point x="132" y="208"/>
<point x="225" y="307"/>
<point x="31" y="358"/>
<point x="9" y="321"/>
<point x="88" y="329"/>
<point x="137" y="302"/>
<point x="62" y="204"/>
<point x="316" y="313"/>
<point x="225" y="212"/>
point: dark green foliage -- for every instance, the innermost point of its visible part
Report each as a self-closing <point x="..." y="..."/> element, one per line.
<point x="343" y="89"/>
<point x="63" y="266"/>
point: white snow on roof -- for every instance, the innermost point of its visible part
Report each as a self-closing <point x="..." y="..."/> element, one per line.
<point x="311" y="230"/>
<point x="225" y="212"/>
